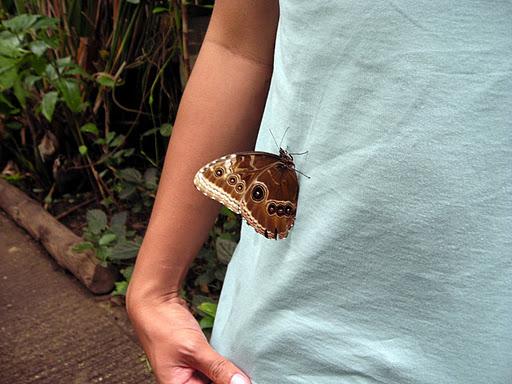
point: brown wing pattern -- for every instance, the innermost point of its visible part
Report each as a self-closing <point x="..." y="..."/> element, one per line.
<point x="270" y="204"/>
<point x="257" y="185"/>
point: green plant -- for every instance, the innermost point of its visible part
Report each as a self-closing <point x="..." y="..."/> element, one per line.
<point x="128" y="45"/>
<point x="87" y="91"/>
<point x="136" y="188"/>
<point x="34" y="84"/>
<point x="122" y="285"/>
<point x="62" y="122"/>
<point x="112" y="243"/>
<point x="207" y="310"/>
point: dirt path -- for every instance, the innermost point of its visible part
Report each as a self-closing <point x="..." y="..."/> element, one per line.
<point x="51" y="329"/>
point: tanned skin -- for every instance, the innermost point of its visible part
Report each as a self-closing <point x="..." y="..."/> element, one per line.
<point x="220" y="113"/>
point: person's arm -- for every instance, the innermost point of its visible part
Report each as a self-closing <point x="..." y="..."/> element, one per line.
<point x="220" y="113"/>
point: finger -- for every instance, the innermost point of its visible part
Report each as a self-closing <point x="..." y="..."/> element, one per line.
<point x="219" y="369"/>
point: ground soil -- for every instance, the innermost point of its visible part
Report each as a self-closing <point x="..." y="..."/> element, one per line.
<point x="52" y="330"/>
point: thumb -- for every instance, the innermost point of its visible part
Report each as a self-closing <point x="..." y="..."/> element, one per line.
<point x="219" y="369"/>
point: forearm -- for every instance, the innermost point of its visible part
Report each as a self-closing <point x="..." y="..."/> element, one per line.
<point x="220" y="113"/>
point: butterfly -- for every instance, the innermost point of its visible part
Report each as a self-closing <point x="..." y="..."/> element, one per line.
<point x="261" y="186"/>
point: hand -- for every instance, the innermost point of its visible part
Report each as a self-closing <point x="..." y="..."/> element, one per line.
<point x="176" y="346"/>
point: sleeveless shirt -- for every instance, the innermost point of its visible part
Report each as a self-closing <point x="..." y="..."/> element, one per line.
<point x="399" y="266"/>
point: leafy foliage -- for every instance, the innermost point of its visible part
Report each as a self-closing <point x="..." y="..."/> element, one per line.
<point x="207" y="310"/>
<point x="34" y="84"/>
<point x="122" y="286"/>
<point x="112" y="243"/>
<point x="67" y="75"/>
<point x="88" y="91"/>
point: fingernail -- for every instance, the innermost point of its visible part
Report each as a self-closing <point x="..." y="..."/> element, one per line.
<point x="238" y="379"/>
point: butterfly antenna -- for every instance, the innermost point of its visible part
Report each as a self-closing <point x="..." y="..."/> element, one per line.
<point x="275" y="141"/>
<point x="284" y="135"/>
<point x="300" y="153"/>
<point x="303" y="174"/>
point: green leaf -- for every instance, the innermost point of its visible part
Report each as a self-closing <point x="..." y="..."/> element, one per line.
<point x="204" y="278"/>
<point x="45" y="22"/>
<point x="107" y="239"/>
<point x="83" y="150"/>
<point x="151" y="178"/>
<point x="127" y="272"/>
<point x="208" y="308"/>
<point x="118" y="140"/>
<point x="126" y="192"/>
<point x="107" y="201"/>
<point x="8" y="77"/>
<point x="231" y="224"/>
<point x="13" y="178"/>
<point x="7" y="63"/>
<point x="20" y="23"/>
<point x="130" y="175"/>
<point x="20" y="92"/>
<point x="206" y="322"/>
<point x="64" y="62"/>
<point x="110" y="136"/>
<point x="51" y="73"/>
<point x="106" y="80"/>
<point x="225" y="249"/>
<point x="120" y="288"/>
<point x="128" y="152"/>
<point x="90" y="128"/>
<point x="160" y="10"/>
<point x="30" y="80"/>
<point x="119" y="219"/>
<point x="83" y="246"/>
<point x="6" y="106"/>
<point x="10" y="45"/>
<point x="70" y="92"/>
<point x="226" y="212"/>
<point x="103" y="253"/>
<point x="118" y="224"/>
<point x="198" y="298"/>
<point x="133" y="1"/>
<point x="51" y="41"/>
<point x="166" y="129"/>
<point x="96" y="221"/>
<point x="220" y="273"/>
<point x="48" y="105"/>
<point x="75" y="70"/>
<point x="206" y="254"/>
<point x="151" y="131"/>
<point x="124" y="250"/>
<point x="38" y="47"/>
<point x="227" y="236"/>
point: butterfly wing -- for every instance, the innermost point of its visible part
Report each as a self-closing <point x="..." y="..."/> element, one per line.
<point x="270" y="203"/>
<point x="257" y="185"/>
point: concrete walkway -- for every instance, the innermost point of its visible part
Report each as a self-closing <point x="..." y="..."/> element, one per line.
<point x="54" y="331"/>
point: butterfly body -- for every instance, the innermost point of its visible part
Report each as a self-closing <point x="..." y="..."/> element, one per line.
<point x="261" y="186"/>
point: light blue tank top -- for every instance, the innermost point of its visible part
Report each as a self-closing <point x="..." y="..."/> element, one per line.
<point x="399" y="267"/>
